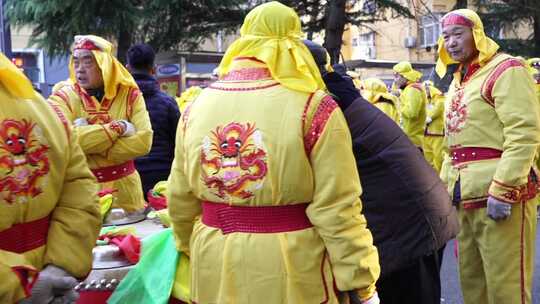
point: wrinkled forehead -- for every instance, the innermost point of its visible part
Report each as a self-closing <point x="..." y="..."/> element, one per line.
<point x="82" y="54"/>
<point x="453" y="28"/>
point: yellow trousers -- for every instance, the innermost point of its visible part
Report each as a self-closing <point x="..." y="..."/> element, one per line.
<point x="496" y="259"/>
<point x="433" y="151"/>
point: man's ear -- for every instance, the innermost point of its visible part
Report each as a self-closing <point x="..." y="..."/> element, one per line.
<point x="153" y="71"/>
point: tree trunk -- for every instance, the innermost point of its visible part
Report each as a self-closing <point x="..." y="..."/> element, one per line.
<point x="124" y="42"/>
<point x="536" y="29"/>
<point x="335" y="26"/>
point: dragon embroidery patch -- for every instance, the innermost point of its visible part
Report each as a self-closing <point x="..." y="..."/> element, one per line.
<point x="457" y="114"/>
<point x="234" y="161"/>
<point x="23" y="160"/>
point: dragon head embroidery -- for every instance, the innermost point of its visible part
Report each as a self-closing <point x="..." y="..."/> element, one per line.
<point x="23" y="159"/>
<point x="234" y="161"/>
<point x="457" y="113"/>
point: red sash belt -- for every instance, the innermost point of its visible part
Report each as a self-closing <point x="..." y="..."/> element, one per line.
<point x="112" y="173"/>
<point x="267" y="219"/>
<point x="461" y="155"/>
<point x="475" y="205"/>
<point x="24" y="237"/>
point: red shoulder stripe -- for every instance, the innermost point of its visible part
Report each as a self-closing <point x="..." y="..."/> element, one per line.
<point x="417" y="86"/>
<point x="64" y="97"/>
<point x="133" y="94"/>
<point x="322" y="114"/>
<point x="489" y="83"/>
<point x="62" y="118"/>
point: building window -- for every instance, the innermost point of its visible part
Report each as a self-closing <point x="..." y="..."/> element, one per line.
<point x="28" y="62"/>
<point x="430" y="29"/>
<point x="354" y="42"/>
<point x="366" y="46"/>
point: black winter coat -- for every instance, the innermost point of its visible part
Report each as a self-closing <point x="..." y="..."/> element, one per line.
<point x="164" y="116"/>
<point x="407" y="207"/>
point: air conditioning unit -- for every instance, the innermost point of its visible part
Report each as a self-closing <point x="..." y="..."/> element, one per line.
<point x="410" y="42"/>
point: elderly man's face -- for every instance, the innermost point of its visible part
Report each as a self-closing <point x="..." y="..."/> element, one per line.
<point x="399" y="80"/>
<point x="459" y="42"/>
<point x="87" y="72"/>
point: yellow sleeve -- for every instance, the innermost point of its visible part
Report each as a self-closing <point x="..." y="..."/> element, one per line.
<point x="437" y="109"/>
<point x="388" y="109"/>
<point x="128" y="148"/>
<point x="411" y="105"/>
<point x="519" y="112"/>
<point x="96" y="138"/>
<point x="184" y="207"/>
<point x="16" y="274"/>
<point x="92" y="138"/>
<point x="76" y="220"/>
<point x="336" y="209"/>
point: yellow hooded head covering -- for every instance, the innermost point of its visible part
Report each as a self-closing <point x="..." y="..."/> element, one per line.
<point x="271" y="33"/>
<point x="374" y="89"/>
<point x="14" y="81"/>
<point x="485" y="46"/>
<point x="113" y="72"/>
<point x="187" y="97"/>
<point x="406" y="70"/>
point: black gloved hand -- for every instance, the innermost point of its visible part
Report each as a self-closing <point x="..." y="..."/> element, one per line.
<point x="342" y="88"/>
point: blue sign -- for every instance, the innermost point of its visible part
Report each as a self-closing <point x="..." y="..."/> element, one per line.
<point x="169" y="69"/>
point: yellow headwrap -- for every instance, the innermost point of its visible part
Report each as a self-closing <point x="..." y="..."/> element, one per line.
<point x="406" y="70"/>
<point x="271" y="33"/>
<point x="113" y="72"/>
<point x="187" y="97"/>
<point x="374" y="89"/>
<point x="13" y="80"/>
<point x="485" y="46"/>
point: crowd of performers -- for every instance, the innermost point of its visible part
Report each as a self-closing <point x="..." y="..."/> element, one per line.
<point x="287" y="181"/>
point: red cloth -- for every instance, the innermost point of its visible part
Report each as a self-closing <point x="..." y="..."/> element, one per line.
<point x="157" y="202"/>
<point x="129" y="245"/>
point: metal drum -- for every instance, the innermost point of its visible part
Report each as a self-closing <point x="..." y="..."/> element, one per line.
<point x="110" y="266"/>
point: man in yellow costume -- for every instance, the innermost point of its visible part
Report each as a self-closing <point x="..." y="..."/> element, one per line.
<point x="412" y="101"/>
<point x="264" y="192"/>
<point x="109" y="116"/>
<point x="50" y="217"/>
<point x="434" y="132"/>
<point x="375" y="91"/>
<point x="493" y="132"/>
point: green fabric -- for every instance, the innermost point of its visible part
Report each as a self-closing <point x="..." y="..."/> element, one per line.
<point x="151" y="280"/>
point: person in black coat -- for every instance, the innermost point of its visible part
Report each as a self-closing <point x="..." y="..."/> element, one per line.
<point x="407" y="207"/>
<point x="164" y="115"/>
